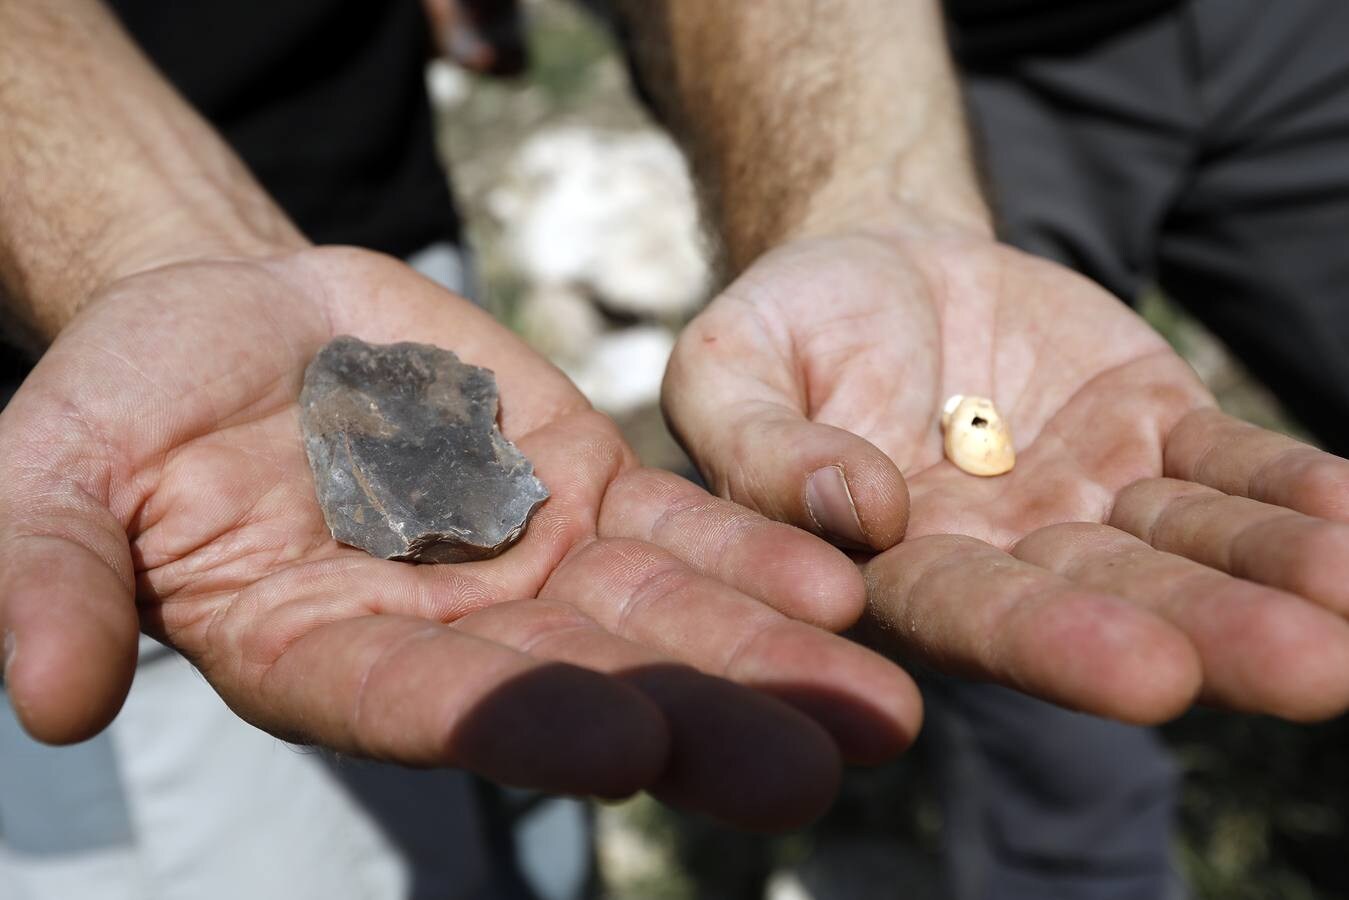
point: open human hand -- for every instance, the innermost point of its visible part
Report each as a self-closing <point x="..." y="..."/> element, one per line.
<point x="1146" y="550"/>
<point x="155" y="478"/>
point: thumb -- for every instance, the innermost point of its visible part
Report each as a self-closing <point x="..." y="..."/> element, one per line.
<point x="67" y="609"/>
<point x="739" y="417"/>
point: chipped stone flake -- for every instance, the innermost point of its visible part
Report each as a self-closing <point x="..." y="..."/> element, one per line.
<point x="407" y="457"/>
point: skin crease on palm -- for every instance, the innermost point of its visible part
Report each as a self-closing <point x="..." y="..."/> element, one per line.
<point x="841" y="350"/>
<point x="166" y="413"/>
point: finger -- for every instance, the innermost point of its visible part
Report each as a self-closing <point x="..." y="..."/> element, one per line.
<point x="798" y="575"/>
<point x="1238" y="458"/>
<point x="70" y="628"/>
<point x="593" y="480"/>
<point x="421" y="693"/>
<point x="735" y="754"/>
<point x="738" y="411"/>
<point x="640" y="592"/>
<point x="1245" y="538"/>
<point x="1263" y="650"/>
<point x="67" y="610"/>
<point x="967" y="608"/>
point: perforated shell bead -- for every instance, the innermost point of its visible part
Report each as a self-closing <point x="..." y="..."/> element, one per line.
<point x="977" y="438"/>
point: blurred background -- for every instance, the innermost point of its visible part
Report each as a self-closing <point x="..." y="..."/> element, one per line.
<point x="582" y="215"/>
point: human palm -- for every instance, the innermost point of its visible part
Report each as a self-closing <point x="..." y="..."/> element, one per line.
<point x="155" y="453"/>
<point x="1145" y="550"/>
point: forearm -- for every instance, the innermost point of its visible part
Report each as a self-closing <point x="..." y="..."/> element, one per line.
<point x="803" y="115"/>
<point x="104" y="170"/>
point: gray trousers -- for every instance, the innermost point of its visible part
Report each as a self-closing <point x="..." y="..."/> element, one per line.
<point x="1205" y="149"/>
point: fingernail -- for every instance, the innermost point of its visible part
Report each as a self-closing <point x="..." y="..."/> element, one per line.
<point x="831" y="507"/>
<point x="9" y="654"/>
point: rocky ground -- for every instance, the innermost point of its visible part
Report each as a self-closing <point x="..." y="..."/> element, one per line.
<point x="585" y="225"/>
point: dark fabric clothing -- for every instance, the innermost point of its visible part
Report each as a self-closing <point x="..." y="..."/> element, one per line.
<point x="1207" y="150"/>
<point x="1040" y="802"/>
<point x="989" y="32"/>
<point x="325" y="101"/>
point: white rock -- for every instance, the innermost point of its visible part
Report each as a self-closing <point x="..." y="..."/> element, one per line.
<point x="447" y="84"/>
<point x="624" y="368"/>
<point x="858" y="869"/>
<point x="627" y="856"/>
<point x="560" y="322"/>
<point x="786" y="886"/>
<point x="610" y="211"/>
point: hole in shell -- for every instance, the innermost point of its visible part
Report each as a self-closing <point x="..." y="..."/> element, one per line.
<point x="979" y="421"/>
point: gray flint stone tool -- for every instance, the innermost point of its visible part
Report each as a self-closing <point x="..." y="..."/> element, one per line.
<point x="407" y="458"/>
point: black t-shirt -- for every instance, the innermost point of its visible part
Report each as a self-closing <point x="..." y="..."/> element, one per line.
<point x="325" y="101"/>
<point x="998" y="32"/>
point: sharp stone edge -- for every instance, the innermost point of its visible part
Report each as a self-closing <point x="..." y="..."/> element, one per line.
<point x="407" y="458"/>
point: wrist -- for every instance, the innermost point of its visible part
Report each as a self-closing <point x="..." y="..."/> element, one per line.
<point x="212" y="229"/>
<point x="918" y="175"/>
<point x="914" y="205"/>
<point x="105" y="171"/>
<point x="917" y="178"/>
<point x="42" y="298"/>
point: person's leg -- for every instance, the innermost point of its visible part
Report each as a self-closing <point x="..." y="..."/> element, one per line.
<point x="1040" y="802"/>
<point x="1257" y="246"/>
<point x="64" y="821"/>
<point x="180" y="797"/>
<point x="1083" y="152"/>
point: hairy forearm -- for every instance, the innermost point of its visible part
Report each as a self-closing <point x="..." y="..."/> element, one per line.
<point x="804" y="115"/>
<point x="104" y="170"/>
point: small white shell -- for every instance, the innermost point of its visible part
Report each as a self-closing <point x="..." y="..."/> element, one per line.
<point x="977" y="439"/>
